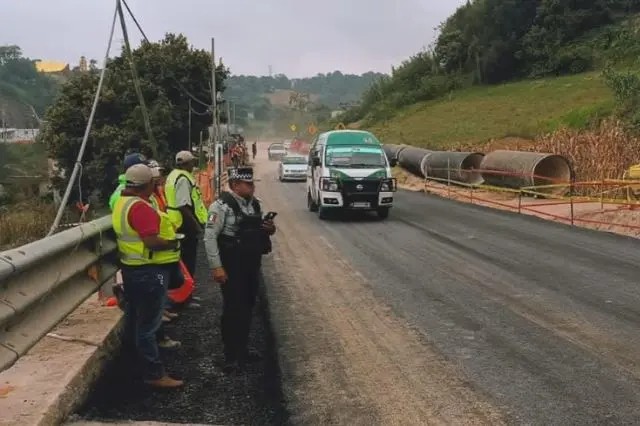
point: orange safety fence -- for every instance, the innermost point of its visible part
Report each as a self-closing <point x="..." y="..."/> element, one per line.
<point x="601" y="192"/>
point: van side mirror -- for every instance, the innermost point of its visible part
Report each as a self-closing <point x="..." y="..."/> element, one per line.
<point x="315" y="161"/>
<point x="393" y="162"/>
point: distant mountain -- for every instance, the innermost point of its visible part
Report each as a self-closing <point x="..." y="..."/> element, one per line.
<point x="330" y="89"/>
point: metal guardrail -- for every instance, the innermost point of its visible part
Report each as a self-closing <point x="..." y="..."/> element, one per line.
<point x="44" y="281"/>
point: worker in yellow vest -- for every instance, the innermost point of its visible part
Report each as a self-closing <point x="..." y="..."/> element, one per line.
<point x="147" y="244"/>
<point x="185" y="206"/>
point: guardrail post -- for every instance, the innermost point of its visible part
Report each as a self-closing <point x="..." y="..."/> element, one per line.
<point x="448" y="178"/>
<point x="520" y="201"/>
<point x="571" y="189"/>
<point x="426" y="180"/>
<point x="602" y="195"/>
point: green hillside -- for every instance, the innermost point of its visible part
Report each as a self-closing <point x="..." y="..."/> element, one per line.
<point x="23" y="90"/>
<point x="523" y="109"/>
<point x="510" y="68"/>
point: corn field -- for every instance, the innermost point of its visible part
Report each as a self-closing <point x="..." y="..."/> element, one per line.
<point x="601" y="153"/>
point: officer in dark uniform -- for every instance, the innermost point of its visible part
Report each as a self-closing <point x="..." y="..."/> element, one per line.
<point x="236" y="237"/>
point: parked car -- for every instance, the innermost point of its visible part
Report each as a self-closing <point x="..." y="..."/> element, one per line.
<point x="276" y="151"/>
<point x="292" y="167"/>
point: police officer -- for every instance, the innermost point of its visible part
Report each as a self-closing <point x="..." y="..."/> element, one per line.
<point x="236" y="237"/>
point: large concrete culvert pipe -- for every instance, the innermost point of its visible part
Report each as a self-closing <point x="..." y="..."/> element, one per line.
<point x="464" y="166"/>
<point x="516" y="169"/>
<point x="392" y="151"/>
<point x="410" y="159"/>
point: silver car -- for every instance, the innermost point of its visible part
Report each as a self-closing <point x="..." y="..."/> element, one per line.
<point x="292" y="167"/>
<point x="276" y="151"/>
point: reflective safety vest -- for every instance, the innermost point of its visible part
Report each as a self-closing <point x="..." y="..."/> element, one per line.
<point x="131" y="248"/>
<point x="199" y="209"/>
<point x="122" y="182"/>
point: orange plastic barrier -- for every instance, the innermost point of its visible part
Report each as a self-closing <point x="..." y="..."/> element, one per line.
<point x="181" y="294"/>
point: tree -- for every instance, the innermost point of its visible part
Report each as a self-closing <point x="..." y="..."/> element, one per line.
<point x="168" y="70"/>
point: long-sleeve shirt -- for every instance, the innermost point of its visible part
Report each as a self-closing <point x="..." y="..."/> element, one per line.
<point x="222" y="221"/>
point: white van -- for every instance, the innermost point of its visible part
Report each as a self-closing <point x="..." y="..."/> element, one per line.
<point x="348" y="170"/>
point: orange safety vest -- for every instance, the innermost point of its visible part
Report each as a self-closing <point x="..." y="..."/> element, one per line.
<point x="182" y="293"/>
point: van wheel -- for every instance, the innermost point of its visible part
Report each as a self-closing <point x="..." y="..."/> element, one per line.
<point x="313" y="207"/>
<point x="383" y="213"/>
<point x="323" y="213"/>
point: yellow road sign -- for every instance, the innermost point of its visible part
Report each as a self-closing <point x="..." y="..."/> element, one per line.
<point x="312" y="129"/>
<point x="293" y="127"/>
<point x="340" y="126"/>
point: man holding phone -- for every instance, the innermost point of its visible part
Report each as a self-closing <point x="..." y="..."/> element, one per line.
<point x="236" y="237"/>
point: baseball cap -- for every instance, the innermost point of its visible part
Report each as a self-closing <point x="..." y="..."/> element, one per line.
<point x="184" y="157"/>
<point x="138" y="175"/>
<point x="133" y="159"/>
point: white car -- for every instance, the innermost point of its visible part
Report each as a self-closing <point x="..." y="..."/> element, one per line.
<point x="292" y="167"/>
<point x="276" y="151"/>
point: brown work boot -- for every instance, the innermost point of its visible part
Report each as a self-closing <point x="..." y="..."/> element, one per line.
<point x="165" y="382"/>
<point x="168" y="343"/>
<point x="169" y="314"/>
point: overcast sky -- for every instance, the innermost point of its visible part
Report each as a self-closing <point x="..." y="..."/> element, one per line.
<point x="296" y="37"/>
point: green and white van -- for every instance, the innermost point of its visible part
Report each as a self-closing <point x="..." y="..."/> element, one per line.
<point x="348" y="170"/>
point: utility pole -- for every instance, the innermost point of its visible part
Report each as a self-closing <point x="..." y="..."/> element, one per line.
<point x="228" y="117"/>
<point x="214" y="137"/>
<point x="4" y="125"/>
<point x="234" y="115"/>
<point x="189" y="124"/>
<point x="200" y="147"/>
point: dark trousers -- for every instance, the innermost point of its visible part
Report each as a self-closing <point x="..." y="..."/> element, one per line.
<point x="145" y="292"/>
<point x="189" y="253"/>
<point x="238" y="299"/>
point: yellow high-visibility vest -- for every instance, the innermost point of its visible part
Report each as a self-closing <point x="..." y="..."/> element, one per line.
<point x="131" y="248"/>
<point x="199" y="208"/>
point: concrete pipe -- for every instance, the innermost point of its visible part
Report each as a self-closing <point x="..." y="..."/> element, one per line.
<point x="392" y="151"/>
<point x="462" y="165"/>
<point x="516" y="169"/>
<point x="410" y="159"/>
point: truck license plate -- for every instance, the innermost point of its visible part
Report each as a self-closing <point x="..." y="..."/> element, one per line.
<point x="361" y="205"/>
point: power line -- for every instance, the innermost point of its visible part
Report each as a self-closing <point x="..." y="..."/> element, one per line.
<point x="180" y="85"/>
<point x="87" y="130"/>
<point x="136" y="82"/>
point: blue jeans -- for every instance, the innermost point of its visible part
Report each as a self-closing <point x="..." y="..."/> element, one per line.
<point x="145" y="292"/>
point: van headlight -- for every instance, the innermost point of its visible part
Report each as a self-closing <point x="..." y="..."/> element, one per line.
<point x="388" y="185"/>
<point x="329" y="184"/>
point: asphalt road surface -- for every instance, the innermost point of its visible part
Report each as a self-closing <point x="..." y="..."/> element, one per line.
<point x="451" y="313"/>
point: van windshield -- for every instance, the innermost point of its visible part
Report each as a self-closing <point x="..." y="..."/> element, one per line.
<point x="355" y="157"/>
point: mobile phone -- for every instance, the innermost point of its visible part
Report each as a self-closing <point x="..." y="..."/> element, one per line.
<point x="270" y="215"/>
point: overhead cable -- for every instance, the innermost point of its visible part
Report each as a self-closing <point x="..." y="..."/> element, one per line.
<point x="180" y="85"/>
<point x="87" y="131"/>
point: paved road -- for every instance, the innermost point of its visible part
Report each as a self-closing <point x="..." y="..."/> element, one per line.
<point x="538" y="320"/>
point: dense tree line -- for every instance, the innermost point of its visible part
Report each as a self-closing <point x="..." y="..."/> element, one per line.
<point x="492" y="41"/>
<point x="168" y="71"/>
